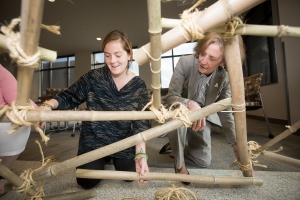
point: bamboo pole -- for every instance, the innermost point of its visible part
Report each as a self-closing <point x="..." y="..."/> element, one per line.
<point x="85" y="194"/>
<point x="67" y="115"/>
<point x="46" y="54"/>
<point x="245" y="29"/>
<point x="31" y="15"/>
<point x="234" y="67"/>
<point x="13" y="178"/>
<point x="130" y="141"/>
<point x="212" y="180"/>
<point x="154" y="16"/>
<point x="205" y="20"/>
<point x="281" y="159"/>
<point x="278" y="138"/>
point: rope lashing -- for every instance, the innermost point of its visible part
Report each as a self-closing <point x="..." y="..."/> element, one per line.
<point x="237" y="107"/>
<point x="161" y="113"/>
<point x="28" y="183"/>
<point x="181" y="113"/>
<point x="13" y="44"/>
<point x="187" y="22"/>
<point x="231" y="26"/>
<point x="173" y="193"/>
<point x="17" y="115"/>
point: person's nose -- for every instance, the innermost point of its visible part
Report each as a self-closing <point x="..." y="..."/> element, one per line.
<point x="113" y="59"/>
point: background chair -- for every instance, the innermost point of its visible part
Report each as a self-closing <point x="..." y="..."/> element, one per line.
<point x="253" y="97"/>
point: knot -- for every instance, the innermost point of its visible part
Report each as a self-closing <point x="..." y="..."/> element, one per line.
<point x="13" y="44"/>
<point x="187" y="22"/>
<point x="174" y="193"/>
<point x="231" y="26"/>
<point x="17" y="115"/>
<point x="28" y="183"/>
<point x="291" y="128"/>
<point x="181" y="113"/>
<point x="237" y="107"/>
<point x="161" y="113"/>
<point x="281" y="30"/>
<point x="148" y="54"/>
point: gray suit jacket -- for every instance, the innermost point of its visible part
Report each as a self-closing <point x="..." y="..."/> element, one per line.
<point x="184" y="84"/>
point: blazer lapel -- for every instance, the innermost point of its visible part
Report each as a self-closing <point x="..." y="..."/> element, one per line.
<point x="193" y="83"/>
<point x="213" y="89"/>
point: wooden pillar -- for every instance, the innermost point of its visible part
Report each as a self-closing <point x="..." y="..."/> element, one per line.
<point x="234" y="67"/>
<point x="155" y="51"/>
<point x="31" y="15"/>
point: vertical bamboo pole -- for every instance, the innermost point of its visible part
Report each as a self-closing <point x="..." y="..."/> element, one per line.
<point x="31" y="15"/>
<point x="154" y="16"/>
<point x="205" y="20"/>
<point x="234" y="66"/>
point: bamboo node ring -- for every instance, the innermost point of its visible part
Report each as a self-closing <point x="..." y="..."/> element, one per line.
<point x="155" y="59"/>
<point x="281" y="30"/>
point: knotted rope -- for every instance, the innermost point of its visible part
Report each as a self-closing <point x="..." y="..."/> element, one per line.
<point x="17" y="115"/>
<point x="181" y="113"/>
<point x="230" y="27"/>
<point x="29" y="182"/>
<point x="173" y="193"/>
<point x="252" y="146"/>
<point x="187" y="22"/>
<point x="13" y="44"/>
<point x="161" y="113"/>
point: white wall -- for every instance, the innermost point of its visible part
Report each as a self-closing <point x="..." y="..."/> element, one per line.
<point x="289" y="15"/>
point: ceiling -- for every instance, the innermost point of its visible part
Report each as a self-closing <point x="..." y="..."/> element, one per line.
<point x="82" y="21"/>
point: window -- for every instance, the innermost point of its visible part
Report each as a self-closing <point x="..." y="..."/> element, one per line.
<point x="98" y="59"/>
<point x="260" y="50"/>
<point x="59" y="74"/>
<point x="169" y="60"/>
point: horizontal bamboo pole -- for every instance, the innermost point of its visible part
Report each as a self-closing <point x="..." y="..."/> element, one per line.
<point x="205" y="20"/>
<point x="85" y="194"/>
<point x="45" y="54"/>
<point x="244" y="29"/>
<point x="67" y="115"/>
<point x="13" y="178"/>
<point x="122" y="175"/>
<point x="130" y="141"/>
<point x="281" y="159"/>
<point x="278" y="138"/>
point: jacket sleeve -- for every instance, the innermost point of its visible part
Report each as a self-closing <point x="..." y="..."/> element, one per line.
<point x="176" y="86"/>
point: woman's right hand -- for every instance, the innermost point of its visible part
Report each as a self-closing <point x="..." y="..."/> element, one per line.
<point x="199" y="124"/>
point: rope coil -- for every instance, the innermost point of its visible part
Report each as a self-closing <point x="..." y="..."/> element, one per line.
<point x="13" y="44"/>
<point x="173" y="193"/>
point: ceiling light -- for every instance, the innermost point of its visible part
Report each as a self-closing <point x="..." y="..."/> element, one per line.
<point x="98" y="38"/>
<point x="51" y="0"/>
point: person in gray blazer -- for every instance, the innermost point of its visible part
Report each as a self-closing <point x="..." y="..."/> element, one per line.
<point x="200" y="80"/>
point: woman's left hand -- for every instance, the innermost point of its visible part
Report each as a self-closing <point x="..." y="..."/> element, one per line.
<point x="141" y="166"/>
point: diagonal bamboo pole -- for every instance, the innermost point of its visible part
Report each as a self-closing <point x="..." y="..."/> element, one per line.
<point x="14" y="179"/>
<point x="281" y="159"/>
<point x="67" y="115"/>
<point x="85" y="194"/>
<point x="155" y="41"/>
<point x="31" y="15"/>
<point x="205" y="20"/>
<point x="130" y="141"/>
<point x="212" y="180"/>
<point x="245" y="29"/>
<point x="234" y="67"/>
<point x="278" y="138"/>
<point x="46" y="54"/>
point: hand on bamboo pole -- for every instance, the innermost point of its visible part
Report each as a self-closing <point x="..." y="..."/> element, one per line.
<point x="199" y="124"/>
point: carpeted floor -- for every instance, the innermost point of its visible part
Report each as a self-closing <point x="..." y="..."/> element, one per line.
<point x="280" y="181"/>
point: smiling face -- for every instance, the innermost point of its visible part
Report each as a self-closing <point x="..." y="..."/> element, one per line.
<point x="210" y="59"/>
<point x="116" y="58"/>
